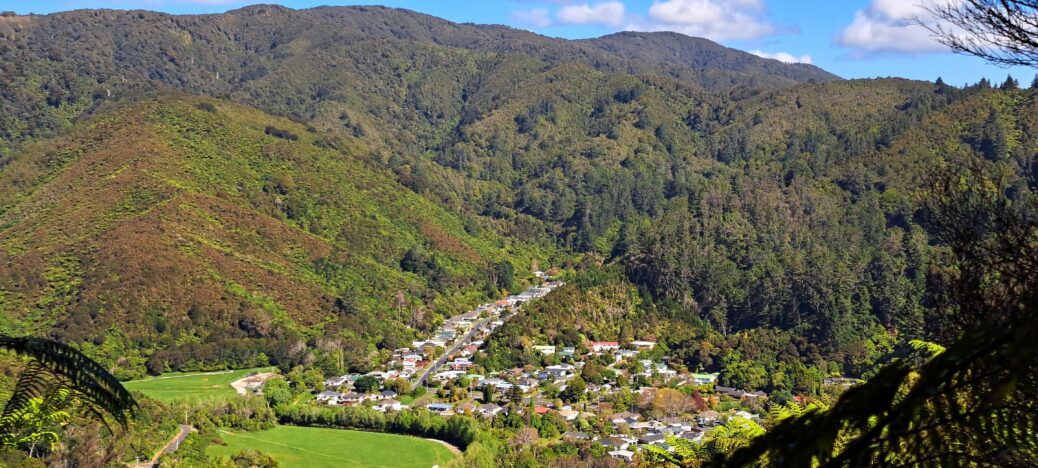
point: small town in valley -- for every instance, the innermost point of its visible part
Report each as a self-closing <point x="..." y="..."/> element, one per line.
<point x="618" y="397"/>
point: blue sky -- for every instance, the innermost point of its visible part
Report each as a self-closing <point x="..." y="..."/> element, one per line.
<point x="852" y="38"/>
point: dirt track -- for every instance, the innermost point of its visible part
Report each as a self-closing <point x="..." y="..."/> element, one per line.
<point x="242" y="385"/>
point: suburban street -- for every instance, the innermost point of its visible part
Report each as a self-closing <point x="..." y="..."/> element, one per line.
<point x="507" y="312"/>
<point x="464" y="341"/>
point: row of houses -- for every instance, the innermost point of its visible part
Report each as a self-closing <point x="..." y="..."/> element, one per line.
<point x="331" y="397"/>
<point x="487" y="317"/>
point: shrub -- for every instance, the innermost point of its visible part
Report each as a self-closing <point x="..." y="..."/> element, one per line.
<point x="280" y="133"/>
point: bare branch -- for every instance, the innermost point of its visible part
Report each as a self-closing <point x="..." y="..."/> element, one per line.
<point x="1003" y="32"/>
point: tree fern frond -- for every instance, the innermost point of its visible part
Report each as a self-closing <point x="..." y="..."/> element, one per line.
<point x="32" y="383"/>
<point x="92" y="383"/>
<point x="933" y="349"/>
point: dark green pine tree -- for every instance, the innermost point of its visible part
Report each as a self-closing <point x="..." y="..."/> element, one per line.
<point x="1034" y="84"/>
<point x="1010" y="83"/>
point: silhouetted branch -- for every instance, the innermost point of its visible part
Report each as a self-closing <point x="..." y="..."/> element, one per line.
<point x="1003" y="32"/>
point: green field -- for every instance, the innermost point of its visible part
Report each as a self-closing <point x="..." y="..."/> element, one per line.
<point x="294" y="446"/>
<point x="191" y="385"/>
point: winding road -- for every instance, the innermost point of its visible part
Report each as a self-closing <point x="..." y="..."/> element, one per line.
<point x="170" y="447"/>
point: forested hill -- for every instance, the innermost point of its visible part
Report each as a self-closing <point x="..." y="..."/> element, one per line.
<point x="677" y="52"/>
<point x="200" y="233"/>
<point x="371" y="169"/>
<point x="82" y="55"/>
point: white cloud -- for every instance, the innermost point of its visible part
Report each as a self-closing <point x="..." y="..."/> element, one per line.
<point x="893" y="26"/>
<point x="608" y="13"/>
<point x="783" y="56"/>
<point x="713" y="19"/>
<point x="538" y="17"/>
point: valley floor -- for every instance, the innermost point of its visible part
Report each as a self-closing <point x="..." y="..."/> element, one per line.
<point x="294" y="446"/>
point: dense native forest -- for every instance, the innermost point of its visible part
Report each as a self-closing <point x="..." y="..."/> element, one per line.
<point x="415" y="158"/>
<point x="320" y="187"/>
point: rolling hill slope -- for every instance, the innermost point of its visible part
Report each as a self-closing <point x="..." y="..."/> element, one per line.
<point x="217" y="232"/>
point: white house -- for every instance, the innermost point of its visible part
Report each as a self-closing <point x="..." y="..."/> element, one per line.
<point x="625" y="455"/>
<point x="329" y="397"/>
<point x="446" y="376"/>
<point x="389" y="405"/>
<point x="559" y="371"/>
<point x="337" y="381"/>
<point x="545" y="350"/>
<point x="601" y="346"/>
<point x="704" y="379"/>
<point x="490" y="410"/>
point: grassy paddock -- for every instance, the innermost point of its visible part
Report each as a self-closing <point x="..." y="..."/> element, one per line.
<point x="191" y="385"/>
<point x="294" y="446"/>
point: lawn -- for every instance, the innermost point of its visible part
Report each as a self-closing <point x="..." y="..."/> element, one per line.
<point x="191" y="385"/>
<point x="294" y="446"/>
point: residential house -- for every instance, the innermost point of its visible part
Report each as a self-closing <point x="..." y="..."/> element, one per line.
<point x="336" y="382"/>
<point x="440" y="408"/>
<point x="643" y="345"/>
<point x="622" y="354"/>
<point x="708" y="418"/>
<point x="625" y="455"/>
<point x="466" y="408"/>
<point x="694" y="434"/>
<point x="652" y="438"/>
<point x="413" y="358"/>
<point x="559" y="371"/>
<point x="704" y="379"/>
<point x="614" y="443"/>
<point x="602" y="346"/>
<point x="389" y="405"/>
<point x="381" y="376"/>
<point x="626" y="417"/>
<point x="739" y="394"/>
<point x="447" y="376"/>
<point x="469" y="350"/>
<point x="352" y="398"/>
<point x="460" y="364"/>
<point x="730" y="391"/>
<point x="545" y="350"/>
<point x="647" y="425"/>
<point x="573" y="435"/>
<point x="842" y="381"/>
<point x="330" y="397"/>
<point x="569" y="414"/>
<point x="747" y="415"/>
<point x="490" y="410"/>
<point x="658" y="368"/>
